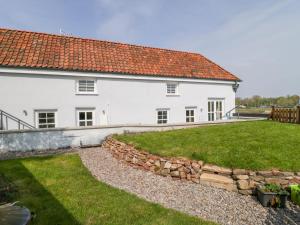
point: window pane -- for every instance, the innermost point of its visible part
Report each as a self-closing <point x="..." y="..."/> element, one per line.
<point x="50" y="115"/>
<point x="192" y="112"/>
<point x="81" y="115"/>
<point x="42" y="121"/>
<point x="42" y="126"/>
<point x="51" y="126"/>
<point x="89" y="123"/>
<point x="89" y="115"/>
<point x="42" y="115"/>
<point x="82" y="89"/>
<point x="82" y="123"/>
<point x="50" y="120"/>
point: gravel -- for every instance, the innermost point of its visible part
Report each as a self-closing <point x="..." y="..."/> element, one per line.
<point x="207" y="202"/>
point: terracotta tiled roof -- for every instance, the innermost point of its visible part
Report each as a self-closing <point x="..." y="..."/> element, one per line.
<point x="48" y="51"/>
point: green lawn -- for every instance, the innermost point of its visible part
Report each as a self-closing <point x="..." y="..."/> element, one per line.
<point x="251" y="145"/>
<point x="60" y="190"/>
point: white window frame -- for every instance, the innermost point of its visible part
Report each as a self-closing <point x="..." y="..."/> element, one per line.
<point x="169" y="92"/>
<point x="189" y="117"/>
<point x="78" y="92"/>
<point x="85" y="110"/>
<point x="37" y="123"/>
<point x="162" y="119"/>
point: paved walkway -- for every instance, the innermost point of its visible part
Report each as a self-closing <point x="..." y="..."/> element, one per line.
<point x="209" y="203"/>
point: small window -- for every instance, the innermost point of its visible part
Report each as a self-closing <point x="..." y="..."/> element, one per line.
<point x="46" y="119"/>
<point x="85" y="118"/>
<point x="86" y="86"/>
<point x="190" y="115"/>
<point x="162" y="116"/>
<point x="172" y="89"/>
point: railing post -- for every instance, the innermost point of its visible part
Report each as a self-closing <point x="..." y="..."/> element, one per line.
<point x="298" y="114"/>
<point x="1" y="120"/>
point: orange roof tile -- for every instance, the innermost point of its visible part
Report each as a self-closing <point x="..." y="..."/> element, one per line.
<point x="39" y="50"/>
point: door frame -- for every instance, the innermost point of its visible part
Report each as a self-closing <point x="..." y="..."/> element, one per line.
<point x="212" y="113"/>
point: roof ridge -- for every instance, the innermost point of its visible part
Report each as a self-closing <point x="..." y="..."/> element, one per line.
<point x="94" y="39"/>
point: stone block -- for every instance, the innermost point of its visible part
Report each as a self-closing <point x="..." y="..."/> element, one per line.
<point x="257" y="178"/>
<point x="243" y="184"/>
<point x="201" y="163"/>
<point x="265" y="173"/>
<point x="218" y="181"/>
<point x="216" y="169"/>
<point x="167" y="165"/>
<point x="239" y="172"/>
<point x="175" y="173"/>
<point x="246" y="192"/>
<point x="165" y="172"/>
<point x="240" y="177"/>
<point x="277" y="181"/>
<point x="196" y="180"/>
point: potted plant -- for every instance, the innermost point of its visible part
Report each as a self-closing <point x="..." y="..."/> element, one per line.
<point x="272" y="195"/>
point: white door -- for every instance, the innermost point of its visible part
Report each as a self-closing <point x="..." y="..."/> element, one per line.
<point x="215" y="110"/>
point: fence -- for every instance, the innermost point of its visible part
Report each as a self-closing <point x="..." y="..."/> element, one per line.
<point x="286" y="115"/>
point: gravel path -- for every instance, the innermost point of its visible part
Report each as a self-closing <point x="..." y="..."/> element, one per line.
<point x="209" y="203"/>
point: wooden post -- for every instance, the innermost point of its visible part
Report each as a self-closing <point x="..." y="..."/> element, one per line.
<point x="298" y="114"/>
<point x="272" y="113"/>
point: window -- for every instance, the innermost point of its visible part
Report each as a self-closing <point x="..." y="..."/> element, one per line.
<point x="190" y="115"/>
<point x="86" y="87"/>
<point x="162" y="116"/>
<point x="85" y="118"/>
<point x="172" y="89"/>
<point x="46" y="119"/>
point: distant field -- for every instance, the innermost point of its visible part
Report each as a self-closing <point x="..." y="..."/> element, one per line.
<point x="255" y="110"/>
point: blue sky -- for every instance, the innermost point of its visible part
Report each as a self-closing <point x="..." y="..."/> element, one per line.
<point x="257" y="40"/>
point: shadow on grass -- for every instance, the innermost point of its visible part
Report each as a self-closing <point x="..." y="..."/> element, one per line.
<point x="45" y="208"/>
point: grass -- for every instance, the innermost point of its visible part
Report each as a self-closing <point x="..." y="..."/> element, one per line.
<point x="258" y="145"/>
<point x="60" y="190"/>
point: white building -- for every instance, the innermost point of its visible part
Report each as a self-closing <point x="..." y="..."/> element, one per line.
<point x="57" y="81"/>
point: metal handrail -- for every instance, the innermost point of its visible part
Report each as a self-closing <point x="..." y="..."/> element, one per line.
<point x="227" y="114"/>
<point x="4" y="116"/>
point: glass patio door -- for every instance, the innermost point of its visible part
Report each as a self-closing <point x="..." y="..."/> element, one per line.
<point x="215" y="110"/>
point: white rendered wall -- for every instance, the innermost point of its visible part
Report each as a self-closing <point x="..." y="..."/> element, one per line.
<point x="124" y="101"/>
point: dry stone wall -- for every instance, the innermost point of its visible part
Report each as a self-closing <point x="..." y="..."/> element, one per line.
<point x="238" y="180"/>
